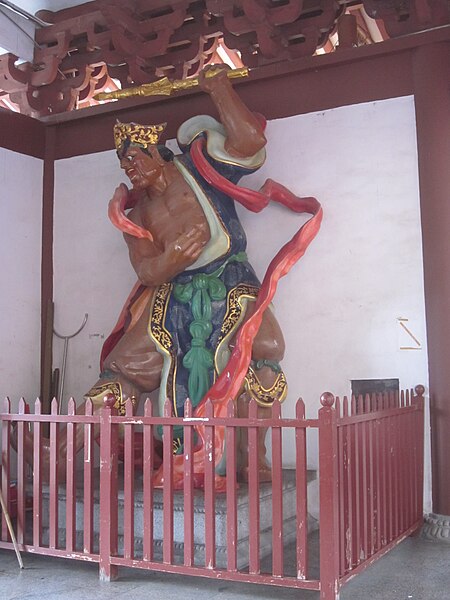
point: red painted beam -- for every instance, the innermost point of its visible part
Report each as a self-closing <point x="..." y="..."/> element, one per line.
<point x="22" y="134"/>
<point x="310" y="84"/>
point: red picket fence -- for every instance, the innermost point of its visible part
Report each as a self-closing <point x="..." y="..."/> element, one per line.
<point x="370" y="484"/>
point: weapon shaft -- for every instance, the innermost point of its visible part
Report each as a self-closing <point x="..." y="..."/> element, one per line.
<point x="165" y="87"/>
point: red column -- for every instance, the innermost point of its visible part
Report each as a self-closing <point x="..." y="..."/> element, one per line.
<point x="431" y="72"/>
<point x="47" y="267"/>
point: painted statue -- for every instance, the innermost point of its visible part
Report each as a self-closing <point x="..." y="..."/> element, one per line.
<point x="198" y="322"/>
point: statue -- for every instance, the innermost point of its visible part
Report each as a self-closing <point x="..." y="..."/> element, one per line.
<point x="198" y="322"/>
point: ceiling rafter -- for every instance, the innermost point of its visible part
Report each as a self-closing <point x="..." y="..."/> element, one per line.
<point x="106" y="44"/>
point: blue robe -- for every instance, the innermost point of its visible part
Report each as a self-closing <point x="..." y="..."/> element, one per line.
<point x="194" y="316"/>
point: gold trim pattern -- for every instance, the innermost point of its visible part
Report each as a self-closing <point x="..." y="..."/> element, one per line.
<point x="235" y="308"/>
<point x="141" y="135"/>
<point x="161" y="335"/>
<point x="158" y="316"/>
<point x="98" y="392"/>
<point x="265" y="396"/>
<point x="233" y="317"/>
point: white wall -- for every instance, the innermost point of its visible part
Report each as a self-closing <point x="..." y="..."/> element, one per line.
<point x="92" y="273"/>
<point x="339" y="307"/>
<point x="20" y="298"/>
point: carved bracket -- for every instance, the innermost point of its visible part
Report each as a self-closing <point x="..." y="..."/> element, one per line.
<point x="137" y="42"/>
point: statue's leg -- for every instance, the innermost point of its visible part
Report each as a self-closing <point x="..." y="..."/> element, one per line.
<point x="132" y="367"/>
<point x="261" y="384"/>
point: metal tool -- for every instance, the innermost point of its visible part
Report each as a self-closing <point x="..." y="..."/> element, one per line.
<point x="66" y="339"/>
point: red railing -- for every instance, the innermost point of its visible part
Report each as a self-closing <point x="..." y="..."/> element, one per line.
<point x="380" y="459"/>
<point x="370" y="482"/>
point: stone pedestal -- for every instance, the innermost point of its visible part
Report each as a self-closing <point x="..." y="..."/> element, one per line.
<point x="437" y="527"/>
<point x="265" y="503"/>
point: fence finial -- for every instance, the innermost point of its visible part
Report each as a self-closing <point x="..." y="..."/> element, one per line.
<point x="420" y="390"/>
<point x="327" y="399"/>
<point x="109" y="400"/>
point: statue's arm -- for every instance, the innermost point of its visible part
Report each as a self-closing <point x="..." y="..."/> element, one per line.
<point x="155" y="265"/>
<point x="244" y="132"/>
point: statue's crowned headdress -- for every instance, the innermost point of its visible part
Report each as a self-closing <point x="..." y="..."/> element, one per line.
<point x="140" y="135"/>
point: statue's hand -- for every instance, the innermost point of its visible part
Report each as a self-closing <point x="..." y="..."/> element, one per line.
<point x="186" y="248"/>
<point x="213" y="77"/>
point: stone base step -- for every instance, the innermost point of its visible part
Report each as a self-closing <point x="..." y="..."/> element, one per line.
<point x="243" y="518"/>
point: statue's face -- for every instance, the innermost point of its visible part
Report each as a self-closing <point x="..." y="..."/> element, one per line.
<point x="142" y="169"/>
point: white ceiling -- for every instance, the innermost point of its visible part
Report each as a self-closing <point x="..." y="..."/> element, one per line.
<point x="32" y="6"/>
<point x="17" y="33"/>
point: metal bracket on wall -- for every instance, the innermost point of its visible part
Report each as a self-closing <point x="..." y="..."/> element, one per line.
<point x="418" y="345"/>
<point x="66" y="339"/>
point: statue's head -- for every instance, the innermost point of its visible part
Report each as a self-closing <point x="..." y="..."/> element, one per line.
<point x="139" y="151"/>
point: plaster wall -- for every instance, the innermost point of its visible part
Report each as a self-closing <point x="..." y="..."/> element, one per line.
<point x="340" y="306"/>
<point x="20" y="249"/>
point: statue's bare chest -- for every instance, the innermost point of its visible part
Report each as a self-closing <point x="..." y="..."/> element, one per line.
<point x="167" y="215"/>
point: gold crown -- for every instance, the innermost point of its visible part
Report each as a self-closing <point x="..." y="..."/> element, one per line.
<point x="142" y="135"/>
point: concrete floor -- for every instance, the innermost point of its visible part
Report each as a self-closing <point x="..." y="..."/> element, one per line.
<point x="417" y="569"/>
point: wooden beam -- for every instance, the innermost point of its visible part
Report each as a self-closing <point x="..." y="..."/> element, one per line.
<point x="22" y="134"/>
<point x="316" y="83"/>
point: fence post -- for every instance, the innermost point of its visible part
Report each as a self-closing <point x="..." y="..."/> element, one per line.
<point x="5" y="486"/>
<point x="419" y="401"/>
<point x="108" y="491"/>
<point x="329" y="499"/>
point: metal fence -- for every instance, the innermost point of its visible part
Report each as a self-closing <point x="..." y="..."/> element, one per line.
<point x="109" y="511"/>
